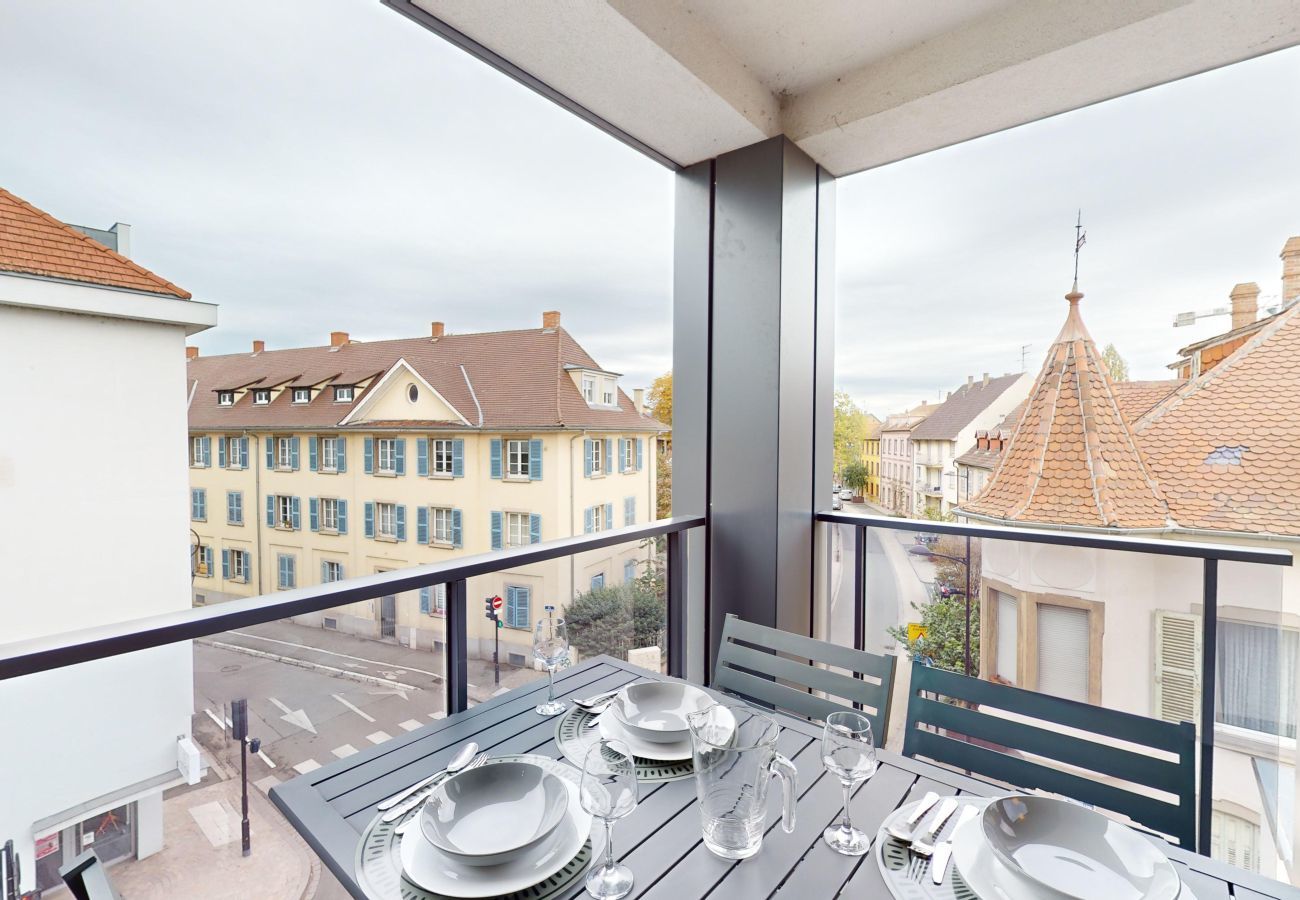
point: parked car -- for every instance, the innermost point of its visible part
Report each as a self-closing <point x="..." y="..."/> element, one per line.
<point x="836" y="502"/>
<point x="846" y="494"/>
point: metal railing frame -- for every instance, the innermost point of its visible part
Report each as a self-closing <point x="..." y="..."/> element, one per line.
<point x="1209" y="554"/>
<point x="84" y="645"/>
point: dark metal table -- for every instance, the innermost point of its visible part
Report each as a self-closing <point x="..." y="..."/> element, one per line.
<point x="661" y="839"/>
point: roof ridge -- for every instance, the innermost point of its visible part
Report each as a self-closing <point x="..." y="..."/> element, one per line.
<point x="98" y="247"/>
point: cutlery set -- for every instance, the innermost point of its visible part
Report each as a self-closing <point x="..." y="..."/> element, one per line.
<point x="919" y="834"/>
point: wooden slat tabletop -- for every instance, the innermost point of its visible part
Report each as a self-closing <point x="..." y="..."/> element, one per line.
<point x="660" y="840"/>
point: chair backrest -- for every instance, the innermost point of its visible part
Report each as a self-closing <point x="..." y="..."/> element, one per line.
<point x="748" y="670"/>
<point x="86" y="878"/>
<point x="995" y="746"/>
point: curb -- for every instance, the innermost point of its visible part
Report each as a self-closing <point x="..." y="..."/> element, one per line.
<point x="319" y="667"/>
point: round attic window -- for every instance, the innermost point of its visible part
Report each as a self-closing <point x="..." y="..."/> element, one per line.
<point x="412" y="393"/>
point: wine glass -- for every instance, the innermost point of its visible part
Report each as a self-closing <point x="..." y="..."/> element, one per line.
<point x="849" y="753"/>
<point x="609" y="792"/>
<point x="551" y="646"/>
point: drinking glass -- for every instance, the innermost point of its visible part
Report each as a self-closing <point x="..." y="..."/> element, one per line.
<point x="608" y="793"/>
<point x="849" y="753"/>
<point x="551" y="646"/>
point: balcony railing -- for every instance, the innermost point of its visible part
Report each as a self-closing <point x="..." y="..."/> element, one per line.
<point x="1209" y="555"/>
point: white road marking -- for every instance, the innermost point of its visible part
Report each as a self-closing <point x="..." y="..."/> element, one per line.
<point x="409" y="725"/>
<point x="266" y="759"/>
<point x="379" y="737"/>
<point x="499" y="691"/>
<point x="344" y="751"/>
<point x="217" y="821"/>
<point x="364" y="715"/>
<point x="265" y="784"/>
<point x="307" y="765"/>
<point x="400" y="692"/>
<point x="214" y="717"/>
<point x="362" y="659"/>
<point x="294" y="716"/>
<point x="438" y="715"/>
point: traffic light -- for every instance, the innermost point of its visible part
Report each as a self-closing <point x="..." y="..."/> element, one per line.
<point x="489" y="610"/>
<point x="239" y="719"/>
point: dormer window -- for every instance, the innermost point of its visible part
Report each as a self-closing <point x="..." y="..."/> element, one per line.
<point x="607" y="396"/>
<point x="225" y="398"/>
<point x="261" y="398"/>
<point x="302" y="395"/>
<point x="589" y="388"/>
<point x="343" y="393"/>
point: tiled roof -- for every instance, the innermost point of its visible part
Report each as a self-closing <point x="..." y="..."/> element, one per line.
<point x="33" y="242"/>
<point x="965" y="403"/>
<point x="1136" y="398"/>
<point x="1072" y="459"/>
<point x="1226" y="447"/>
<point x="516" y="378"/>
<point x="905" y="421"/>
<point x="979" y="459"/>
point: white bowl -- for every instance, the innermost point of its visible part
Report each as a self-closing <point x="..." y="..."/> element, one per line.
<point x="491" y="814"/>
<point x="656" y="711"/>
<point x="1069" y="851"/>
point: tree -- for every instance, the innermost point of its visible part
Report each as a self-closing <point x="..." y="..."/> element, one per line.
<point x="659" y="399"/>
<point x="944" y="616"/>
<point x="855" y="477"/>
<point x="615" y="619"/>
<point x="664" y="485"/>
<point x="1114" y="363"/>
<point x="850" y="430"/>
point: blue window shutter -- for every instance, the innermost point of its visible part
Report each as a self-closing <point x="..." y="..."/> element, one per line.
<point x="535" y="460"/>
<point x="401" y="521"/>
<point x="609" y="455"/>
<point x="343" y="517"/>
<point x="400" y="455"/>
<point x="370" y="519"/>
<point x="425" y="603"/>
<point x="341" y="453"/>
<point x="311" y="452"/>
<point x="422" y="457"/>
<point x="629" y="570"/>
<point x="225" y="564"/>
<point x="587" y="450"/>
<point x="270" y="452"/>
<point x="324" y="572"/>
<point x="629" y="516"/>
<point x="588" y="519"/>
<point x="455" y="528"/>
<point x="313" y="513"/>
<point x="458" y="458"/>
<point x="293" y="571"/>
<point x="207" y="451"/>
<point x="609" y="515"/>
<point x="342" y="572"/>
<point x="534" y="529"/>
<point x="295" y="513"/>
<point x="496" y="530"/>
<point x="221" y="452"/>
<point x="622" y="454"/>
<point x="640" y="457"/>
<point x="422" y="525"/>
<point x="495" y="457"/>
<point x="368" y="451"/>
<point x="243" y="452"/>
<point x="523" y="599"/>
<point x="293" y="453"/>
<point x="207" y="559"/>
<point x="270" y="510"/>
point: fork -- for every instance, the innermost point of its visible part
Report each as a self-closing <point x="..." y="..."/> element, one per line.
<point x="904" y="832"/>
<point x="417" y="799"/>
<point x="924" y="845"/>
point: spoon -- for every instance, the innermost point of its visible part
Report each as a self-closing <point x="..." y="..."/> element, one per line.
<point x="404" y="801"/>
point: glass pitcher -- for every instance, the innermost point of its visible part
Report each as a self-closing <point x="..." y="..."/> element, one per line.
<point x="734" y="749"/>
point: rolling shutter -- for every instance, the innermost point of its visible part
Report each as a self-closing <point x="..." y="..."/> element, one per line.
<point x="1177" y="667"/>
<point x="1063" y="652"/>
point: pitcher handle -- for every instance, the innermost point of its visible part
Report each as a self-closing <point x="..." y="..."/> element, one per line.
<point x="785" y="772"/>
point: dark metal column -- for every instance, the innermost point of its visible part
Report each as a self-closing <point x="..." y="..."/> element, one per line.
<point x="457" y="651"/>
<point x="1209" y="662"/>
<point x="676" y="587"/>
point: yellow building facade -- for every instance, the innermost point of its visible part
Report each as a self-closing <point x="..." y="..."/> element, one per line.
<point x="871" y="459"/>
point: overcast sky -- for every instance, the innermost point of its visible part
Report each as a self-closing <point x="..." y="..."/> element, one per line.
<point x="347" y="170"/>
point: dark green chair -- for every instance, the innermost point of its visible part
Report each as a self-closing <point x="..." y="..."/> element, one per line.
<point x="995" y="747"/>
<point x="747" y="664"/>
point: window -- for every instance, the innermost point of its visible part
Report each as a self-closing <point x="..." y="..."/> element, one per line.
<point x="286" y="565"/>
<point x="236" y="452"/>
<point x="1007" y="613"/>
<point x="1234" y="840"/>
<point x="330" y="571"/>
<point x="203" y="562"/>
<point x="412" y="393"/>
<point x="589" y="388"/>
<point x="234" y="507"/>
<point x="284" y="453"/>
<point x="441" y="533"/>
<point x="597" y="456"/>
<point x="283" y="511"/>
<point x="225" y="398"/>
<point x="597" y="581"/>
<point x="518" y="599"/>
<point x="517" y="459"/>
<point x="198" y="504"/>
<point x="386" y="519"/>
<point x="443" y="463"/>
<point x="1063" y="651"/>
<point x="329" y="454"/>
<point x="388" y="455"/>
<point x="629" y="455"/>
<point x="629" y="511"/>
<point x="1256" y="678"/>
<point x="599" y="522"/>
<point x="629" y="570"/>
<point x="236" y="565"/>
<point x="197" y="451"/>
<point x="343" y="393"/>
<point x="517" y="529"/>
<point x="607" y="395"/>
<point x="329" y="514"/>
<point x="433" y="600"/>
<point x="302" y="395"/>
<point x="261" y="398"/>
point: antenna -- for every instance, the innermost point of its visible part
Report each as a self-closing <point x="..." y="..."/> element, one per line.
<point x="1080" y="238"/>
<point x="1024" y="355"/>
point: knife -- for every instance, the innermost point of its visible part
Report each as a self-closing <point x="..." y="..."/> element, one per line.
<point x="943" y="853"/>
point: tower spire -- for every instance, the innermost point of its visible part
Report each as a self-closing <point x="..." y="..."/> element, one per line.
<point x="1080" y="238"/>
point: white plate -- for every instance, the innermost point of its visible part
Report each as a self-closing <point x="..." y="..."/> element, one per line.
<point x="490" y="814"/>
<point x="656" y="711"/>
<point x="438" y="873"/>
<point x="612" y="730"/>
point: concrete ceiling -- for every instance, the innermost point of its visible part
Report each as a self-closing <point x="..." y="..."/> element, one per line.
<point x="855" y="83"/>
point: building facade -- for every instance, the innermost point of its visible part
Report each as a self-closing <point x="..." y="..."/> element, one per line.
<point x="318" y="464"/>
<point x="871" y="459"/>
<point x="92" y="338"/>
<point x="897" y="459"/>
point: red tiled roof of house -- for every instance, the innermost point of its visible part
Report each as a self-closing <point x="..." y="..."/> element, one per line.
<point x="961" y="407"/>
<point x="33" y="242"/>
<point x="1072" y="459"/>
<point x="1136" y="398"/>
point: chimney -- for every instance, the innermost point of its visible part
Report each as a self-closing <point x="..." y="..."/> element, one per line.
<point x="551" y="319"/>
<point x="638" y="400"/>
<point x="123" y="234"/>
<point x="981" y="440"/>
<point x="338" y="338"/>
<point x="191" y="352"/>
<point x="1245" y="301"/>
<point x="986" y="379"/>
<point x="438" y="329"/>
<point x="970" y="379"/>
<point x="259" y="346"/>
<point x="1291" y="270"/>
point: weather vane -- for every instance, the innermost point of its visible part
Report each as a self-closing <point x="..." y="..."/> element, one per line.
<point x="1080" y="238"/>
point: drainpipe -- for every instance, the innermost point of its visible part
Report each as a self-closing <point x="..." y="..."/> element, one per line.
<point x="256" y="463"/>
<point x="573" y="509"/>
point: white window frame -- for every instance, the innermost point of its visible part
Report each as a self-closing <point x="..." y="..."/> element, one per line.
<point x="440" y="525"/>
<point x="607" y="393"/>
<point x="517" y="459"/>
<point x="239" y="566"/>
<point x="233" y="458"/>
<point x="441" y="461"/>
<point x="516" y="523"/>
<point x="629" y="455"/>
<point x="343" y="393"/>
<point x="329" y="454"/>
<point x="1225" y="624"/>
<point x="329" y="514"/>
<point x="284" y="453"/>
<point x="386" y="515"/>
<point x="386" y="455"/>
<point x="598" y="522"/>
<point x="225" y="398"/>
<point x="283" y="511"/>
<point x="438" y="600"/>
<point x="261" y="398"/>
<point x="597" y="457"/>
<point x="333" y="570"/>
<point x="598" y="576"/>
<point x="302" y="395"/>
<point x="589" y="388"/>
<point x="196" y="451"/>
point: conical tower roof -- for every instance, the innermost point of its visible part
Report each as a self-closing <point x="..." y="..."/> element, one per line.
<point x="1072" y="459"/>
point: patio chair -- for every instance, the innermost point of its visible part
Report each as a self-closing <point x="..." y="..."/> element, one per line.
<point x="748" y="665"/>
<point x="965" y="735"/>
<point x="86" y="877"/>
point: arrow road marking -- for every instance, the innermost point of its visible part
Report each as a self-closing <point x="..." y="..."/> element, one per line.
<point x="296" y="717"/>
<point x="362" y="714"/>
<point x="399" y="693"/>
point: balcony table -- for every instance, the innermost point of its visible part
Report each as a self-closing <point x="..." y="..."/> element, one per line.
<point x="661" y="840"/>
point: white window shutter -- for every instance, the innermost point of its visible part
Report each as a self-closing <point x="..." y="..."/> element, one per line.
<point x="1177" y="667"/>
<point x="1234" y="840"/>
